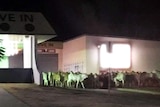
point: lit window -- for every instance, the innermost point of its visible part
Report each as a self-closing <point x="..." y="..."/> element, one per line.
<point x="121" y="55"/>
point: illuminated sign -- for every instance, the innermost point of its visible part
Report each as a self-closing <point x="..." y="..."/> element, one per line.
<point x="24" y="23"/>
<point x="51" y="45"/>
<point x="46" y="50"/>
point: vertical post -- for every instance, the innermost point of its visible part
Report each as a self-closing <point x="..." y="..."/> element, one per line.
<point x="99" y="46"/>
<point x="29" y="59"/>
<point x="36" y="73"/>
<point x="27" y="51"/>
<point x="109" y="76"/>
<point x="109" y="82"/>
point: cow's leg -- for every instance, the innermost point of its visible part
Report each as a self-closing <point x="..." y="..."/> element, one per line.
<point x="122" y="82"/>
<point x="139" y="83"/>
<point x="115" y="81"/>
<point x="77" y="84"/>
<point x="68" y="83"/>
<point x="65" y="83"/>
<point x="60" y="84"/>
<point x="55" y="83"/>
<point x="51" y="82"/>
<point x="45" y="82"/>
<point x="82" y="85"/>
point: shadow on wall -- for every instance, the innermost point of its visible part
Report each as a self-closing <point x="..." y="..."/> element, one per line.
<point x="46" y="63"/>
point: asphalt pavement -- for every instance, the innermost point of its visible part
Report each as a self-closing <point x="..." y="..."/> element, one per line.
<point x="8" y="100"/>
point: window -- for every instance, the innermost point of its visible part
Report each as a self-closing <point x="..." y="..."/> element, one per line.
<point x="119" y="57"/>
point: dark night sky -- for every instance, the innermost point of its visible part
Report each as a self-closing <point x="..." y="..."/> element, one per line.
<point x="70" y="18"/>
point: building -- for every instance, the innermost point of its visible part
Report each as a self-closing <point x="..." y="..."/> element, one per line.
<point x="84" y="54"/>
<point x="20" y="32"/>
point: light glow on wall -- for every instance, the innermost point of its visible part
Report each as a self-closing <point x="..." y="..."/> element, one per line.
<point x="104" y="57"/>
<point x="120" y="56"/>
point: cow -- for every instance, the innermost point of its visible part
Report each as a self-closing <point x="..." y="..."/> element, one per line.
<point x="119" y="77"/>
<point x="50" y="81"/>
<point x="56" y="79"/>
<point x="144" y="78"/>
<point x="157" y="75"/>
<point x="123" y="78"/>
<point x="45" y="80"/>
<point x="130" y="79"/>
<point x="76" y="77"/>
<point x="64" y="78"/>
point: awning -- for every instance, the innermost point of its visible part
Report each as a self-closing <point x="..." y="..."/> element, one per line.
<point x="26" y="23"/>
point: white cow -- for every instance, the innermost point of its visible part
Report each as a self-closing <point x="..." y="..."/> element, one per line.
<point x="120" y="77"/>
<point x="45" y="80"/>
<point x="76" y="77"/>
<point x="157" y="73"/>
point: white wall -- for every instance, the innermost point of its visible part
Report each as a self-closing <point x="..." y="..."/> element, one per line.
<point x="27" y="51"/>
<point x="60" y="59"/>
<point x="92" y="62"/>
<point x="145" y="55"/>
<point x="74" y="52"/>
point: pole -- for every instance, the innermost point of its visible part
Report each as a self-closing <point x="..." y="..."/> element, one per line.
<point x="109" y="76"/>
<point x="109" y="85"/>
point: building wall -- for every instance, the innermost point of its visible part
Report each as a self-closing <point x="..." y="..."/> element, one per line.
<point x="145" y="55"/>
<point x="93" y="65"/>
<point x="92" y="61"/>
<point x="60" y="59"/>
<point x="53" y="48"/>
<point x="74" y="54"/>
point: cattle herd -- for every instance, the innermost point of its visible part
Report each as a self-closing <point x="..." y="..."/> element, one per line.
<point x="114" y="78"/>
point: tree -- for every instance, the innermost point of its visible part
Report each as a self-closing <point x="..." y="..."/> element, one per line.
<point x="2" y="51"/>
